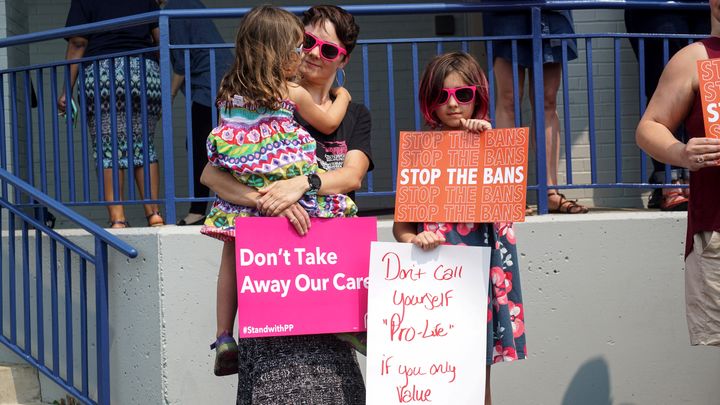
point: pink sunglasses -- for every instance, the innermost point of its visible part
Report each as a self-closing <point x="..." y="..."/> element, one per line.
<point x="328" y="51"/>
<point x="463" y="94"/>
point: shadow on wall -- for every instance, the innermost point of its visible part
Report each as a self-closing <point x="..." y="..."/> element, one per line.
<point x="590" y="385"/>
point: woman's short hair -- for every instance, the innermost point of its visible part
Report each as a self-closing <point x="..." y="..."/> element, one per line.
<point x="345" y="26"/>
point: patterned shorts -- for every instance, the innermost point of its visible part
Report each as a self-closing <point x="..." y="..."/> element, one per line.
<point x="117" y="132"/>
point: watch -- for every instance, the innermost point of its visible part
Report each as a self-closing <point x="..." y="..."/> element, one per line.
<point x="314" y="182"/>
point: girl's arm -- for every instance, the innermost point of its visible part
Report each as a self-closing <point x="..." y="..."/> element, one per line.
<point x="426" y="240"/>
<point x="75" y="50"/>
<point x="324" y="121"/>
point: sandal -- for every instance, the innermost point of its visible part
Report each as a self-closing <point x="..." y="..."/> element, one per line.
<point x="566" y="206"/>
<point x="674" y="200"/>
<point x="156" y="222"/>
<point x="122" y="224"/>
<point x="529" y="210"/>
<point x="226" y="355"/>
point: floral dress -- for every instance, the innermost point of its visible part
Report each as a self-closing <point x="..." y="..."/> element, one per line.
<point x="260" y="146"/>
<point x="506" y="318"/>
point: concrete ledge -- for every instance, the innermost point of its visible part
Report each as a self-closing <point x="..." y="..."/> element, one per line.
<point x="603" y="296"/>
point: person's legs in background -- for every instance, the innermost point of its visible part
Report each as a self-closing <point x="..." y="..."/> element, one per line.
<point x="152" y="211"/>
<point x="557" y="202"/>
<point x="551" y="85"/>
<point x="116" y="212"/>
<point x="505" y="100"/>
<point x="201" y="127"/>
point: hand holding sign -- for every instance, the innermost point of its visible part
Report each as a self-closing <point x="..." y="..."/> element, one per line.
<point x="462" y="176"/>
<point x="709" y="86"/>
<point x="285" y="281"/>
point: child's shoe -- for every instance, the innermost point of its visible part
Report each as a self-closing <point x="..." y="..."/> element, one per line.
<point x="226" y="355"/>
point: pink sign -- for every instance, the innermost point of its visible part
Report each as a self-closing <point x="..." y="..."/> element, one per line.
<point x="298" y="285"/>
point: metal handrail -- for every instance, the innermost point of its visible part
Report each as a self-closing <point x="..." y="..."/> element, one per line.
<point x="79" y="220"/>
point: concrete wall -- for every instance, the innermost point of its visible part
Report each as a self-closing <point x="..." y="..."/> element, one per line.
<point x="47" y="14"/>
<point x="603" y="296"/>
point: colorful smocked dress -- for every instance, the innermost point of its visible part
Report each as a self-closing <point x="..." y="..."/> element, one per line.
<point x="506" y="318"/>
<point x="260" y="146"/>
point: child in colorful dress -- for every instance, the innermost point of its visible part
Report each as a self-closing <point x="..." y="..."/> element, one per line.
<point x="259" y="142"/>
<point x="454" y="96"/>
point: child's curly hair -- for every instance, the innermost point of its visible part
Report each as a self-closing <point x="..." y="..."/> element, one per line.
<point x="264" y="50"/>
<point x="434" y="75"/>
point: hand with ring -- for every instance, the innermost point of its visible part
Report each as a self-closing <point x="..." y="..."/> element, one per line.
<point x="701" y="152"/>
<point x="298" y="218"/>
<point x="280" y="195"/>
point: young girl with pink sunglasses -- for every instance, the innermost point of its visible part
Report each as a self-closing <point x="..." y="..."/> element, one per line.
<point x="454" y="96"/>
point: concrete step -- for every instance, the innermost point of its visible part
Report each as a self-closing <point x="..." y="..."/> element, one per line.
<point x="19" y="385"/>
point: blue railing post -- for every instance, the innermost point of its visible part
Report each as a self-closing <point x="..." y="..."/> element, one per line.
<point x="103" y="323"/>
<point x="539" y="111"/>
<point x="166" y="79"/>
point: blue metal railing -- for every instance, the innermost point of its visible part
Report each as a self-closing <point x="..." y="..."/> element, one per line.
<point x="62" y="269"/>
<point x="70" y="178"/>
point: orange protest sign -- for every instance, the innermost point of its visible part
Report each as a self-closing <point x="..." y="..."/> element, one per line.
<point x="709" y="85"/>
<point x="456" y="176"/>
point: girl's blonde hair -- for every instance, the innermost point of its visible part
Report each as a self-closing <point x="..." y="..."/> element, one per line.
<point x="264" y="50"/>
<point x="434" y="76"/>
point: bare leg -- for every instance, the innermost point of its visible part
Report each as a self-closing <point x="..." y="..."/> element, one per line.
<point x="488" y="397"/>
<point x="551" y="84"/>
<point x="505" y="110"/>
<point x="226" y="304"/>
<point x="154" y="190"/>
<point x="116" y="212"/>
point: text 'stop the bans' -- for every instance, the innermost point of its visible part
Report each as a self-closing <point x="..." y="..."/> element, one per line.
<point x="456" y="176"/>
<point x="709" y="85"/>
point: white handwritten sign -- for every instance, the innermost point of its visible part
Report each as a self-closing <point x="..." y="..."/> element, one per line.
<point x="427" y="324"/>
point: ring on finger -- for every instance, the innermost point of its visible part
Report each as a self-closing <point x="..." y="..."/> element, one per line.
<point x="699" y="159"/>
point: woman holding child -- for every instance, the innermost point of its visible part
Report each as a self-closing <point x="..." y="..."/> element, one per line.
<point x="320" y="368"/>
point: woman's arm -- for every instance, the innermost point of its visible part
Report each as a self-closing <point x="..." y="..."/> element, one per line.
<point x="75" y="50"/>
<point x="177" y="81"/>
<point x="280" y="194"/>
<point x="670" y="104"/>
<point x="229" y="189"/>
<point x="340" y="181"/>
<point x="156" y="35"/>
<point x="324" y="121"/>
